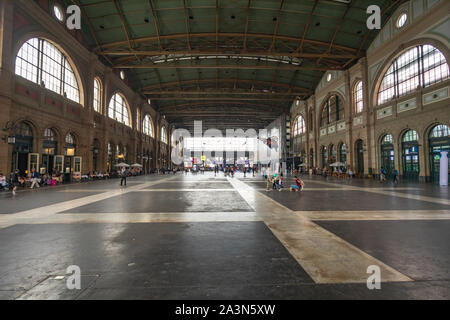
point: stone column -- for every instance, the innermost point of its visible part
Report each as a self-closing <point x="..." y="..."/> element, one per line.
<point x="6" y="82"/>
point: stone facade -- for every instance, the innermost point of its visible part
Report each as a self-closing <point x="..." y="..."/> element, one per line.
<point x="419" y="110"/>
<point x="24" y="101"/>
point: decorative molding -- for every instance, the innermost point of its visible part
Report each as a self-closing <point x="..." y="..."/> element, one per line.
<point x="407" y="105"/>
<point x="435" y="96"/>
<point x="332" y="129"/>
<point x="341" y="126"/>
<point x="357" y="121"/>
<point x="384" y="112"/>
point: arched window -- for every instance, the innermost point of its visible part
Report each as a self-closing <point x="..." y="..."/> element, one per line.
<point x="41" y="62"/>
<point x="147" y="126"/>
<point x="118" y="109"/>
<point x="163" y="134"/>
<point x="299" y="126"/>
<point x="440" y="131"/>
<point x="70" y="139"/>
<point x="97" y="95"/>
<point x="23" y="129"/>
<point x="331" y="111"/>
<point x="422" y="66"/>
<point x="387" y="139"/>
<point x="410" y="135"/>
<point x="358" y="97"/>
<point x="49" y="135"/>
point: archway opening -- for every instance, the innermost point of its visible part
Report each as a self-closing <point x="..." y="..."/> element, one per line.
<point x="410" y="155"/>
<point x="387" y="154"/>
<point x="439" y="140"/>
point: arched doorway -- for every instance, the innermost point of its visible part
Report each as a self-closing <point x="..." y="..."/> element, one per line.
<point x="333" y="153"/>
<point x="110" y="157"/>
<point x="23" y="159"/>
<point x="439" y="140"/>
<point x="49" y="148"/>
<point x="71" y="162"/>
<point x="387" y="154"/>
<point x="359" y="157"/>
<point x="324" y="156"/>
<point x="95" y="153"/>
<point x="410" y="155"/>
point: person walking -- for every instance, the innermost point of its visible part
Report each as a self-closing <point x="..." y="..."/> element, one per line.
<point x="123" y="176"/>
<point x="395" y="176"/>
<point x="34" y="179"/>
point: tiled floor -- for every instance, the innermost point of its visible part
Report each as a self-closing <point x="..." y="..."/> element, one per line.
<point x="211" y="237"/>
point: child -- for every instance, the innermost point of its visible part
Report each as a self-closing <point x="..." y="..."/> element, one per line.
<point x="280" y="183"/>
<point x="268" y="182"/>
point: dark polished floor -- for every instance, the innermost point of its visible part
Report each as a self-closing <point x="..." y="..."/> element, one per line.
<point x="209" y="237"/>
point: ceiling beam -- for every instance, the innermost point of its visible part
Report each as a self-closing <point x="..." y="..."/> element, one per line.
<point x="224" y="66"/>
<point x="251" y="83"/>
<point x="223" y="92"/>
<point x="347" y="9"/>
<point x="214" y="104"/>
<point x="228" y="35"/>
<point x="275" y="29"/>
<point x="186" y="18"/>
<point x="244" y="43"/>
<point x="305" y="29"/>
<point x="155" y="21"/>
<point x="222" y="99"/>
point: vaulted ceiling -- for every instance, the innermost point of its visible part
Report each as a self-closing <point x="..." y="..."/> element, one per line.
<point x="230" y="63"/>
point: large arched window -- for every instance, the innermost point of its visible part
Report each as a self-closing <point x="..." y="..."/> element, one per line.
<point x="118" y="109"/>
<point x="163" y="134"/>
<point x="422" y="66"/>
<point x="147" y="126"/>
<point x="358" y="97"/>
<point x="41" y="62"/>
<point x="299" y="126"/>
<point x="331" y="111"/>
<point x="97" y="95"/>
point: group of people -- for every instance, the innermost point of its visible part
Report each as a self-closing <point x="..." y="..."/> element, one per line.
<point x="276" y="183"/>
<point x="19" y="180"/>
<point x="383" y="174"/>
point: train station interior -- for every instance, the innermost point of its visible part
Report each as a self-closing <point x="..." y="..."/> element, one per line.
<point x="224" y="149"/>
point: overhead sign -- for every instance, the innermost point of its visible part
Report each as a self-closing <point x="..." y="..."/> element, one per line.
<point x="413" y="149"/>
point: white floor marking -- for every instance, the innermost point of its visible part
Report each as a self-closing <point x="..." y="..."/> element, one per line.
<point x="323" y="255"/>
<point x="391" y="193"/>
<point x="377" y="215"/>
